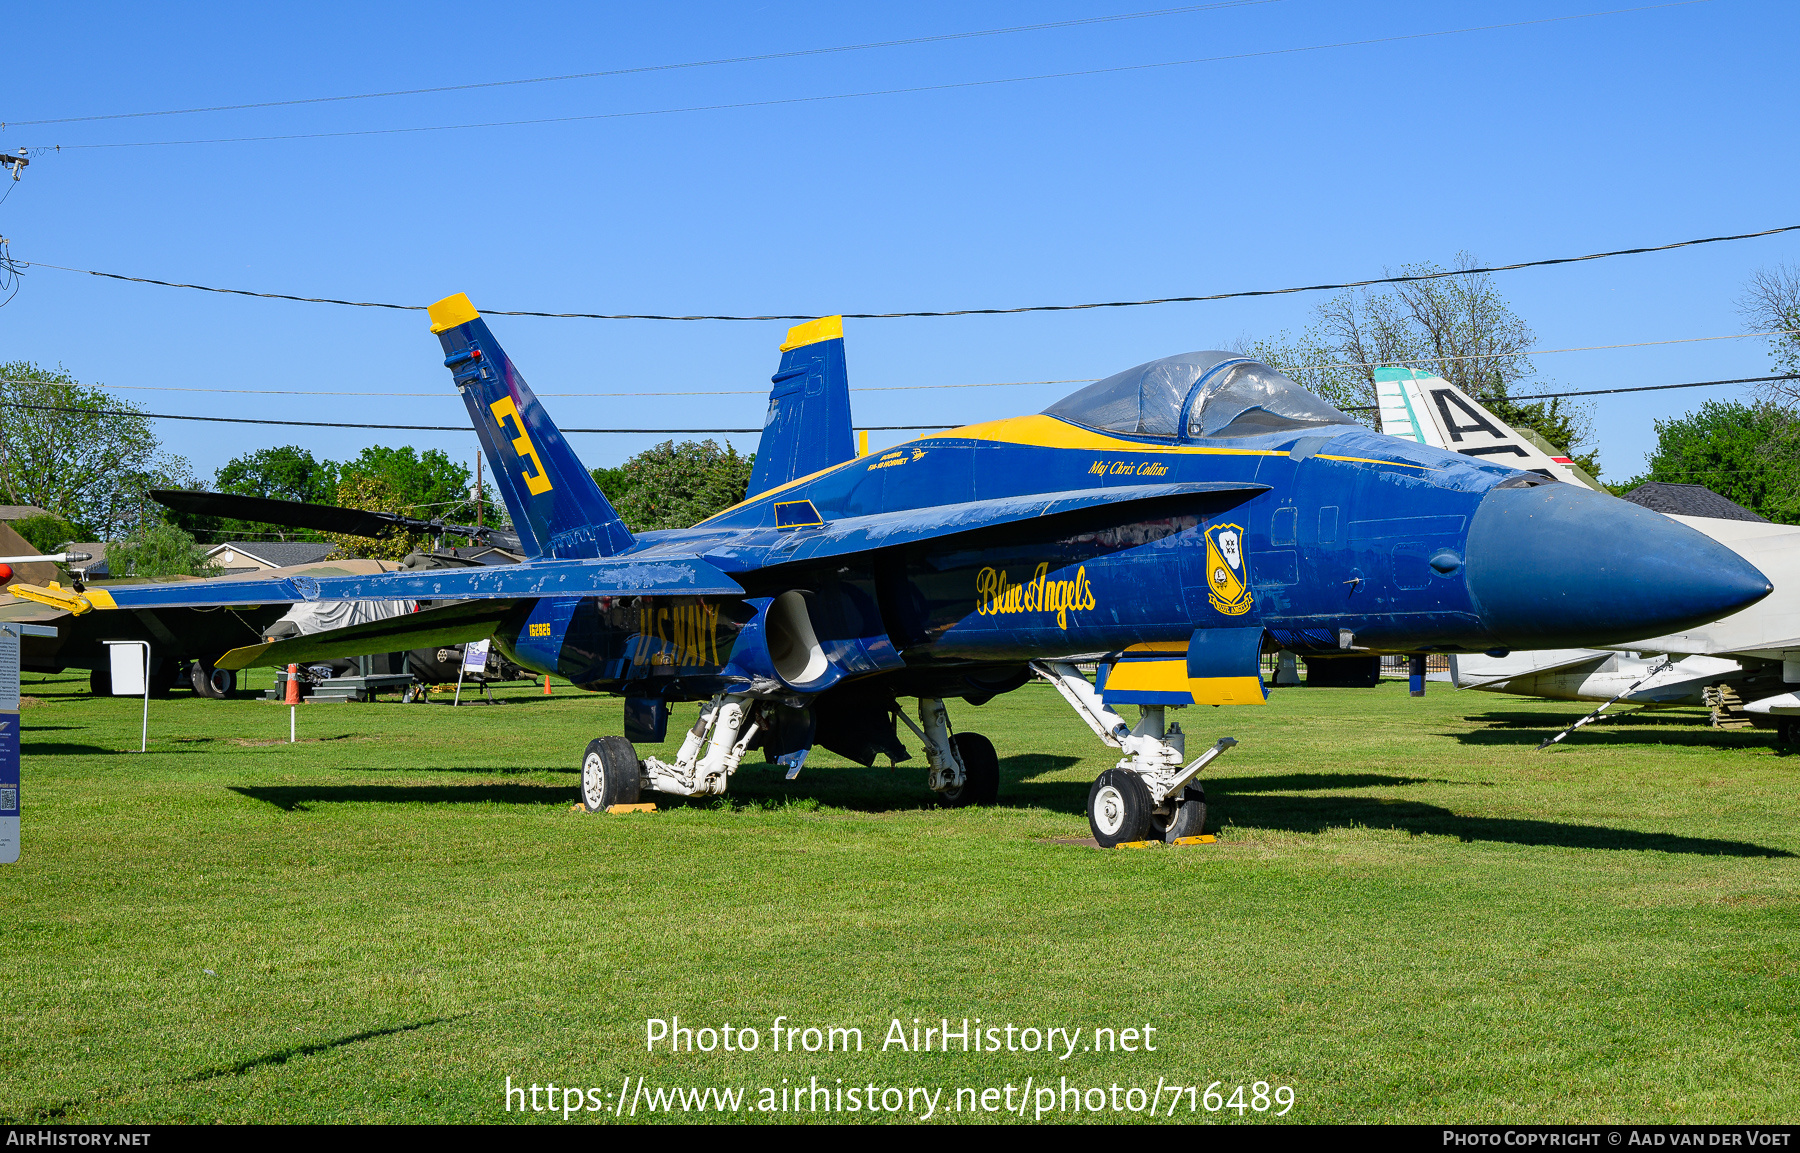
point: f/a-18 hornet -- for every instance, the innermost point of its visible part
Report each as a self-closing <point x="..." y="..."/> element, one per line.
<point x="1169" y="524"/>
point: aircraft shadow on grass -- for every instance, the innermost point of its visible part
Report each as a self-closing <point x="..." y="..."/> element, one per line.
<point x="301" y="798"/>
<point x="283" y="1056"/>
<point x="59" y="749"/>
<point x="1603" y="734"/>
<point x="1248" y="802"/>
<point x="1319" y="814"/>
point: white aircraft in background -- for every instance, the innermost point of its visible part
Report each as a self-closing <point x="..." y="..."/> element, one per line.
<point x="1745" y="667"/>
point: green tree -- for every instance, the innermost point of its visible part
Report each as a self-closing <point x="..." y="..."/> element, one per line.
<point x="79" y="452"/>
<point x="1771" y="302"/>
<point x="421" y="484"/>
<point x="1724" y="445"/>
<point x="1458" y="327"/>
<point x="156" y="549"/>
<point x="612" y="482"/>
<point x="679" y="485"/>
<point x="377" y="494"/>
<point x="47" y="533"/>
<point x="286" y="473"/>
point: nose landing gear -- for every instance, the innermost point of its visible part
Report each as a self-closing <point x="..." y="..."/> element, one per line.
<point x="1149" y="793"/>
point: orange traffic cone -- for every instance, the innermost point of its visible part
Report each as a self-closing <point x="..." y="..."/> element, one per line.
<point x="546" y="684"/>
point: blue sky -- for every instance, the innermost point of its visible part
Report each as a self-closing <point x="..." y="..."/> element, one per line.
<point x="1516" y="143"/>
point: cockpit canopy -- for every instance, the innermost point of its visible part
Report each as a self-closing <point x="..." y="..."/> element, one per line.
<point x="1197" y="395"/>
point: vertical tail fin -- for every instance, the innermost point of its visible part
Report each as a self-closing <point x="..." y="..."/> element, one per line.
<point x="808" y="424"/>
<point x="1420" y="407"/>
<point x="557" y="509"/>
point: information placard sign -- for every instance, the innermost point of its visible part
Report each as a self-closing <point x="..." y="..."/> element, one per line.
<point x="9" y="670"/>
<point x="9" y="734"/>
<point x="9" y="780"/>
<point x="475" y="656"/>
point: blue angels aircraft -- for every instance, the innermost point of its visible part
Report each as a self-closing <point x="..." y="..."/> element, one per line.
<point x="1169" y="524"/>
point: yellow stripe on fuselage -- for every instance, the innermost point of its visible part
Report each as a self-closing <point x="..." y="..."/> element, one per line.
<point x="1040" y="431"/>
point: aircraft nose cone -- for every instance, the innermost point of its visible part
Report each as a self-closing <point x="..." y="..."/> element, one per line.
<point x="1557" y="566"/>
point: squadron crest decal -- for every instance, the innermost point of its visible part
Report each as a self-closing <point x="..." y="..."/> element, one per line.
<point x="1227" y="578"/>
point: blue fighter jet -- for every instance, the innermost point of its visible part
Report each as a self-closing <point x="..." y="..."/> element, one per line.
<point x="1168" y="524"/>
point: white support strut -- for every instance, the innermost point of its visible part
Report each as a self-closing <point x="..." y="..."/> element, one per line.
<point x="1150" y="752"/>
<point x="697" y="775"/>
<point x="940" y="751"/>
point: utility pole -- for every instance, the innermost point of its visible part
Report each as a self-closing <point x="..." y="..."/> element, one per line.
<point x="478" y="487"/>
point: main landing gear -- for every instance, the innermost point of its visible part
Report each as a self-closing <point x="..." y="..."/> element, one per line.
<point x="1149" y="794"/>
<point x="965" y="770"/>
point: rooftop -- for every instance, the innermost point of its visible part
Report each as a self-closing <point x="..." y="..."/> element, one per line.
<point x="1689" y="500"/>
<point x="278" y="553"/>
<point x="9" y="512"/>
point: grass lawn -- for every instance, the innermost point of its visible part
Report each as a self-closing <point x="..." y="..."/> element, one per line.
<point x="1409" y="916"/>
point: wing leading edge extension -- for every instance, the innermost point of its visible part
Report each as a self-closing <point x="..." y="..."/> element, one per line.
<point x="859" y="534"/>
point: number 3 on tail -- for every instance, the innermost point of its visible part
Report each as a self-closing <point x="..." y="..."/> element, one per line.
<point x="537" y="482"/>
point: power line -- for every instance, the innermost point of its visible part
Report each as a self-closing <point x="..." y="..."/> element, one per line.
<point x="789" y="55"/>
<point x="879" y="388"/>
<point x="887" y="91"/>
<point x="683" y="431"/>
<point x="1409" y="278"/>
<point x="1543" y="351"/>
<point x="406" y="427"/>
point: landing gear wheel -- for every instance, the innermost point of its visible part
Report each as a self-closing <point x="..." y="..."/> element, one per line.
<point x="210" y="682"/>
<point x="1186" y="818"/>
<point x="981" y="772"/>
<point x="1118" y="808"/>
<point x="1787" y="732"/>
<point x="609" y="774"/>
<point x="100" y="682"/>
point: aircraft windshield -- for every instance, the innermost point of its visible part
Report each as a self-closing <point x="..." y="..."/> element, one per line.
<point x="1240" y="399"/>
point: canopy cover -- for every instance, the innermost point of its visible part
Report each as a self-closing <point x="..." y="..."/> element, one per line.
<point x="1214" y="394"/>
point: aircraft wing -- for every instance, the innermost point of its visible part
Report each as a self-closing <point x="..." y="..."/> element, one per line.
<point x="1477" y="671"/>
<point x="664" y="575"/>
<point x="452" y="624"/>
<point x="857" y="534"/>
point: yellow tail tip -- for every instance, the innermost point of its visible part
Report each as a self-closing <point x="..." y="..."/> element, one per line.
<point x="452" y="311"/>
<point x="812" y="332"/>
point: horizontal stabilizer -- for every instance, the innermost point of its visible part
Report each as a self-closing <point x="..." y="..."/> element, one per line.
<point x="936" y="522"/>
<point x="607" y="576"/>
<point x="446" y="625"/>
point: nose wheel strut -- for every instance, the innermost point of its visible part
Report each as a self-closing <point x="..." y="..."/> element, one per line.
<point x="1150" y="793"/>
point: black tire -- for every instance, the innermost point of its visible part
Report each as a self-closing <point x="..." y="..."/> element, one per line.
<point x="609" y="774"/>
<point x="100" y="682"/>
<point x="1787" y="732"/>
<point x="1186" y="819"/>
<point x="981" y="772"/>
<point x="216" y="684"/>
<point x="1118" y="808"/>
